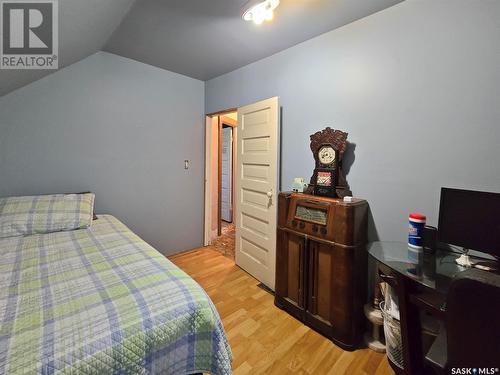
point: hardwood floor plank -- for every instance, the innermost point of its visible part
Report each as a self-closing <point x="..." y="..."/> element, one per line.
<point x="263" y="338"/>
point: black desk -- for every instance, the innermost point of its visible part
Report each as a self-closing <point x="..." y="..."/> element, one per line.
<point x="421" y="281"/>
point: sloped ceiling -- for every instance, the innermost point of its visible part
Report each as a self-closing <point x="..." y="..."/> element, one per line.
<point x="204" y="39"/>
<point x="198" y="38"/>
<point x="84" y="28"/>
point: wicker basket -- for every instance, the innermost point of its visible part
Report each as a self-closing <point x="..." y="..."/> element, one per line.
<point x="392" y="331"/>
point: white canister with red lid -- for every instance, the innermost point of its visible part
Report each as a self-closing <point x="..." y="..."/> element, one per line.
<point x="416" y="224"/>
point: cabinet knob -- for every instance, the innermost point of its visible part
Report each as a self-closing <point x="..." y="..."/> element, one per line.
<point x="302" y="225"/>
<point x="323" y="231"/>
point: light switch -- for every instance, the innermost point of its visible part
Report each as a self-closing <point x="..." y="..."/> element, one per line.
<point x="186" y="164"/>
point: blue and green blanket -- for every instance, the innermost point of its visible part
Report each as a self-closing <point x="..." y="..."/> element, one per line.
<point x="102" y="301"/>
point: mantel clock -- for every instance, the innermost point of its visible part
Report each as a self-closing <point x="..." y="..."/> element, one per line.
<point x="328" y="179"/>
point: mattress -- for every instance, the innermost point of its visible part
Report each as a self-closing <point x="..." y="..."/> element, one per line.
<point x="102" y="301"/>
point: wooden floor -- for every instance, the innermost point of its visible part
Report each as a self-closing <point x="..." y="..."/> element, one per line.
<point x="263" y="338"/>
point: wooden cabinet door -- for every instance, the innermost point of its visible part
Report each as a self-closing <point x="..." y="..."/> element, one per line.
<point x="330" y="306"/>
<point x="290" y="261"/>
<point x="320" y="283"/>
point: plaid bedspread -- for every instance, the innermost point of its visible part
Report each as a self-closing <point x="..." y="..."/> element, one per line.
<point x="102" y="301"/>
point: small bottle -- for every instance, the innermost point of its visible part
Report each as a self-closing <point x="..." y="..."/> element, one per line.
<point x="416" y="223"/>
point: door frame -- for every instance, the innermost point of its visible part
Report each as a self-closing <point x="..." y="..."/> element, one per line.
<point x="224" y="120"/>
<point x="209" y="177"/>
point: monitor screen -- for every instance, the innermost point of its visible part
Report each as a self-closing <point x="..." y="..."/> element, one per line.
<point x="470" y="219"/>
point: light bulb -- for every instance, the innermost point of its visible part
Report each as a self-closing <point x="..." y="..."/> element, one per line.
<point x="258" y="18"/>
<point x="269" y="15"/>
<point x="262" y="11"/>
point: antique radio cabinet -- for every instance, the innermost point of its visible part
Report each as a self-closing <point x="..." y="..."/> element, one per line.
<point x="321" y="264"/>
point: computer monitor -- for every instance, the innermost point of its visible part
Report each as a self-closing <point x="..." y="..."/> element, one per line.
<point x="470" y="219"/>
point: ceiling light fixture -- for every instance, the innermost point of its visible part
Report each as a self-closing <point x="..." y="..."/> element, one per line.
<point x="259" y="11"/>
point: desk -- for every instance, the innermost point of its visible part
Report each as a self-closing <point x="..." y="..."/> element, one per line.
<point x="421" y="281"/>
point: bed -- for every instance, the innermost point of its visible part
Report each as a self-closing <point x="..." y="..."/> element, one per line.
<point x="102" y="301"/>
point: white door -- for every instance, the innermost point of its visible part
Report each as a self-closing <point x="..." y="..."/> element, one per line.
<point x="256" y="189"/>
<point x="227" y="174"/>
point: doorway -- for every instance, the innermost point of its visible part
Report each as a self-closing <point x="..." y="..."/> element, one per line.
<point x="220" y="164"/>
<point x="247" y="196"/>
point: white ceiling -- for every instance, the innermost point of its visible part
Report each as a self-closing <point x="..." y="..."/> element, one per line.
<point x="206" y="38"/>
<point x="198" y="38"/>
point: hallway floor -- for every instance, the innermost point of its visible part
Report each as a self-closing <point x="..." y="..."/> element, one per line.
<point x="225" y="244"/>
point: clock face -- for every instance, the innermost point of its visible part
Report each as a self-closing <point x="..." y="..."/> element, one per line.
<point x="326" y="155"/>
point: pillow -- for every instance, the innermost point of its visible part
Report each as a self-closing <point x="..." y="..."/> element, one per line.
<point x="94" y="217"/>
<point x="22" y="216"/>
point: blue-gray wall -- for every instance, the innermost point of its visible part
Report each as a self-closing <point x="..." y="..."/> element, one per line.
<point x="417" y="87"/>
<point x="116" y="127"/>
